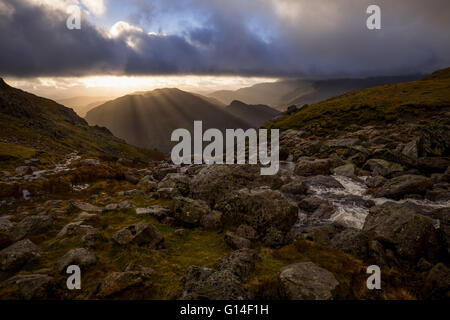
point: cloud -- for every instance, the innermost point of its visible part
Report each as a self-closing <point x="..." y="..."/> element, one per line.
<point x="324" y="38"/>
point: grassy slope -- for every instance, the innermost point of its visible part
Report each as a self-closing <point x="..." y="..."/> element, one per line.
<point x="374" y="105"/>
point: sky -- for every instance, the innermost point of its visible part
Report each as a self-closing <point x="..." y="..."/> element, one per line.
<point x="205" y="45"/>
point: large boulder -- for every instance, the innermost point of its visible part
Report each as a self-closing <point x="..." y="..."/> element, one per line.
<point x="260" y="208"/>
<point x="31" y="226"/>
<point x="214" y="182"/>
<point x="189" y="211"/>
<point x="352" y="241"/>
<point x="27" y="287"/>
<point x="306" y="281"/>
<point x="401" y="229"/>
<point x="81" y="257"/>
<point x="380" y="167"/>
<point x="322" y="182"/>
<point x="18" y="254"/>
<point x="400" y="186"/>
<point x="141" y="234"/>
<point x="176" y="181"/>
<point x="313" y="167"/>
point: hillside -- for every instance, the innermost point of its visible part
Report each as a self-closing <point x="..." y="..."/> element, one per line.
<point x="35" y="126"/>
<point x="148" y="119"/>
<point x="416" y="100"/>
<point x="284" y="93"/>
<point x="82" y="104"/>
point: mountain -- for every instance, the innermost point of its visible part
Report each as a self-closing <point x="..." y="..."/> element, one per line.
<point x="34" y="125"/>
<point x="255" y="115"/>
<point x="284" y="93"/>
<point x="148" y="119"/>
<point x="82" y="104"/>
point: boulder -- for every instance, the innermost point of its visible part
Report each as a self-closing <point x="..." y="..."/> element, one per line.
<point x="211" y="221"/>
<point x="241" y="263"/>
<point x="247" y="232"/>
<point x="149" y="183"/>
<point x="141" y="234"/>
<point x="311" y="203"/>
<point x="315" y="167"/>
<point x="118" y="283"/>
<point x="380" y="167"/>
<point x="131" y="178"/>
<point x="176" y="181"/>
<point x="434" y="141"/>
<point x="296" y="187"/>
<point x="346" y="170"/>
<point x="189" y="211"/>
<point x="320" y="234"/>
<point x="323" y="182"/>
<point x="437" y="282"/>
<point x="80" y="257"/>
<point x="159" y="212"/>
<point x="28" y="287"/>
<point x="236" y="242"/>
<point x="306" y="281"/>
<point x="401" y="229"/>
<point x="18" y="254"/>
<point x="84" y="206"/>
<point x="352" y="241"/>
<point x="260" y="208"/>
<point x="400" y="186"/>
<point x="31" y="226"/>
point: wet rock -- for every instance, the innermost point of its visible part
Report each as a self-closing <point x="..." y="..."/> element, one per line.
<point x="296" y="187"/>
<point x="433" y="164"/>
<point x="321" y="234"/>
<point x="80" y="257"/>
<point x="352" y="241"/>
<point x="380" y="167"/>
<point x="141" y="234"/>
<point x="409" y="234"/>
<point x="323" y="212"/>
<point x="323" y="182"/>
<point x="311" y="203"/>
<point x="375" y="182"/>
<point x="18" y="254"/>
<point x="28" y="287"/>
<point x="117" y="283"/>
<point x="31" y="226"/>
<point x="313" y="168"/>
<point x="440" y="192"/>
<point x="400" y="186"/>
<point x="260" y="208"/>
<point x="346" y="170"/>
<point x="189" y="211"/>
<point x="211" y="221"/>
<point x="176" y="181"/>
<point x="306" y="281"/>
<point x="236" y="242"/>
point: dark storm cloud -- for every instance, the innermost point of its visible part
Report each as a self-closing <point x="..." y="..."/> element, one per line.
<point x="258" y="37"/>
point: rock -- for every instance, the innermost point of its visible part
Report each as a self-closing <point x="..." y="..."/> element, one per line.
<point x="440" y="192"/>
<point x="260" y="208"/>
<point x="247" y="232"/>
<point x="434" y="141"/>
<point x="241" y="263"/>
<point x="141" y="234"/>
<point x="347" y="170"/>
<point x="180" y="232"/>
<point x="352" y="241"/>
<point x="130" y="177"/>
<point x="410" y="149"/>
<point x="443" y="217"/>
<point x="189" y="211"/>
<point x="84" y="206"/>
<point x="274" y="238"/>
<point x="433" y="164"/>
<point x="70" y="229"/>
<point x="6" y="227"/>
<point x="342" y="143"/>
<point x="23" y="170"/>
<point x="323" y="212"/>
<point x="311" y="203"/>
<point x="308" y="148"/>
<point x="400" y="186"/>
<point x="18" y="254"/>
<point x="401" y="229"/>
<point x="176" y="181"/>
<point x="126" y="205"/>
<point x="320" y="234"/>
<point x="31" y="226"/>
<point x="380" y="167"/>
<point x="437" y="282"/>
<point x="236" y="242"/>
<point x="159" y="212"/>
<point x="86" y="217"/>
<point x="28" y="287"/>
<point x="117" y="283"/>
<point x="211" y="221"/>
<point x="149" y="183"/>
<point x="295" y="187"/>
<point x="375" y="182"/>
<point x="223" y="179"/>
<point x="306" y="281"/>
<point x="89" y="162"/>
<point x="111" y="207"/>
<point x="160" y="172"/>
<point x="80" y="257"/>
<point x="32" y="162"/>
<point x="168" y="193"/>
<point x="323" y="182"/>
<point x="312" y="168"/>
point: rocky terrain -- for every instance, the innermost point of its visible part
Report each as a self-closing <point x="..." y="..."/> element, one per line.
<point x="352" y="191"/>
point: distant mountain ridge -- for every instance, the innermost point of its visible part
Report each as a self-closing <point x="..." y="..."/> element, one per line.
<point x="284" y="93"/>
<point x="147" y="119"/>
